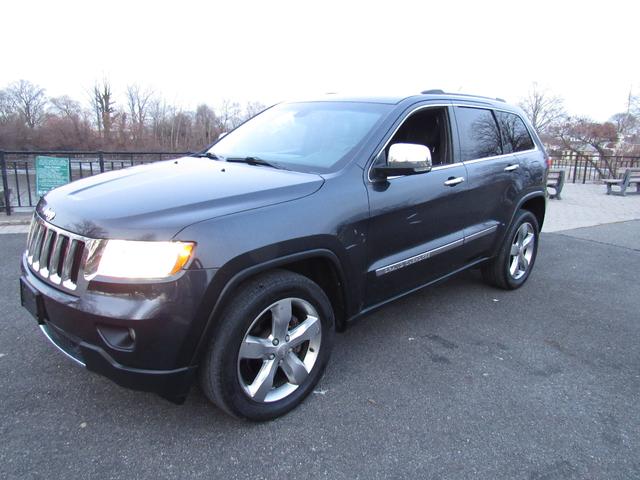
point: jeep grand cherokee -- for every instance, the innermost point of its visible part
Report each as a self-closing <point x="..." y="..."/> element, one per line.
<point x="237" y="265"/>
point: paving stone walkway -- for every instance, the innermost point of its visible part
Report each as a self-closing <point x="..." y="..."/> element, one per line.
<point x="588" y="205"/>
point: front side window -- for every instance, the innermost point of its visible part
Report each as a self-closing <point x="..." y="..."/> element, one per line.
<point x="428" y="127"/>
<point x="308" y="136"/>
<point x="479" y="133"/>
<point x="515" y="136"/>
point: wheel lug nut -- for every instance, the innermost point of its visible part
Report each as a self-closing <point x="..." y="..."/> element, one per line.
<point x="286" y="339"/>
<point x="276" y="341"/>
<point x="271" y="356"/>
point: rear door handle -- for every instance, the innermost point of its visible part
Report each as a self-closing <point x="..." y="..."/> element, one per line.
<point x="453" y="181"/>
<point x="511" y="168"/>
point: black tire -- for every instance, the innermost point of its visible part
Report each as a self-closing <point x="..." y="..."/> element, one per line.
<point x="220" y="375"/>
<point x="496" y="271"/>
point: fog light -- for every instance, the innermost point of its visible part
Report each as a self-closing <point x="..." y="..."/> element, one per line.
<point x="118" y="338"/>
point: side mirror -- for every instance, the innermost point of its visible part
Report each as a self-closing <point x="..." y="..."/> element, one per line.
<point x="405" y="159"/>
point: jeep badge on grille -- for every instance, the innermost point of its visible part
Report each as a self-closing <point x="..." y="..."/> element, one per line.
<point x="49" y="214"/>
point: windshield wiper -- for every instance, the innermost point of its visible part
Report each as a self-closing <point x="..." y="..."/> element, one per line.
<point x="210" y="155"/>
<point x="254" y="161"/>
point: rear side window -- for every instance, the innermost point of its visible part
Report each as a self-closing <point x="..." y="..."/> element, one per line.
<point x="479" y="133"/>
<point x="515" y="136"/>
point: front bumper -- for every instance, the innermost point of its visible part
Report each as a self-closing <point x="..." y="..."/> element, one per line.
<point x="90" y="329"/>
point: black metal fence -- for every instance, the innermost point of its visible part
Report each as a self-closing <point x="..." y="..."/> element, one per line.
<point x="592" y="168"/>
<point x="19" y="185"/>
<point x="19" y="176"/>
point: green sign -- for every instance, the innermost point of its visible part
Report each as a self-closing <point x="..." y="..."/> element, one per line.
<point x="51" y="172"/>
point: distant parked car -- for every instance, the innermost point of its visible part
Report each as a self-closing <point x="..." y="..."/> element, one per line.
<point x="237" y="265"/>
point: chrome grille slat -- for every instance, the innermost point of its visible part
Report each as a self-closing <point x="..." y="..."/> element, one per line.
<point x="35" y="227"/>
<point x="37" y="247"/>
<point x="68" y="260"/>
<point x="44" y="254"/>
<point x="51" y="254"/>
<point x="55" y="257"/>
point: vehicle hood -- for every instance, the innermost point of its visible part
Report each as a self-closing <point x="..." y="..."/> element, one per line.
<point x="156" y="201"/>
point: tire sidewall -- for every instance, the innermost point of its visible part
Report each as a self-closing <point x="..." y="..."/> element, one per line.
<point x="238" y="322"/>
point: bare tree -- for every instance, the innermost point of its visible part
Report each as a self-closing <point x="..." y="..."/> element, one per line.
<point x="103" y="104"/>
<point x="138" y="102"/>
<point x="65" y="106"/>
<point x="580" y="133"/>
<point x="625" y="123"/>
<point x="6" y="108"/>
<point x="252" y="109"/>
<point x="543" y="109"/>
<point x="29" y="101"/>
<point x="205" y="129"/>
<point x="229" y="115"/>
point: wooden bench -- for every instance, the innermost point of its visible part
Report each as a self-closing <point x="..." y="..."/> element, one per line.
<point x="631" y="175"/>
<point x="555" y="180"/>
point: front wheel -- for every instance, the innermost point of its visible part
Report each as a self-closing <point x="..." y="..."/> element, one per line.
<point x="514" y="262"/>
<point x="272" y="345"/>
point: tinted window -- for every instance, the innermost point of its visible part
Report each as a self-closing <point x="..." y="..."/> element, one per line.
<point x="313" y="136"/>
<point x="515" y="136"/>
<point x="479" y="133"/>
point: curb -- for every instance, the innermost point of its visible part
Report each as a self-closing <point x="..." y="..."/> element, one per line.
<point x="17" y="221"/>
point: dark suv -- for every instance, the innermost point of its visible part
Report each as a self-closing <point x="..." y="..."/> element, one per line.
<point x="238" y="264"/>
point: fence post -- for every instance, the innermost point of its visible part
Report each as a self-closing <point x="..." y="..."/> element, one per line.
<point x="101" y="161"/>
<point x="575" y="169"/>
<point x="5" y="184"/>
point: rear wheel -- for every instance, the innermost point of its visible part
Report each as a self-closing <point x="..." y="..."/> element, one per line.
<point x="514" y="262"/>
<point x="272" y="345"/>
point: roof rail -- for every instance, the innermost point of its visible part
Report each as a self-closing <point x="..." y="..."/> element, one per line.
<point x="437" y="91"/>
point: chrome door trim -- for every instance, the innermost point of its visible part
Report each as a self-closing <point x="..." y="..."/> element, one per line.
<point x="433" y="252"/>
<point x="418" y="258"/>
<point x="481" y="233"/>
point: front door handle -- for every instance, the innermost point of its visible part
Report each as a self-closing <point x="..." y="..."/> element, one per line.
<point x="453" y="181"/>
<point x="511" y="168"/>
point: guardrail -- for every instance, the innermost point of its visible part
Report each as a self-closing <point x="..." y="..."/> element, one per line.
<point x="593" y="168"/>
<point x="18" y="170"/>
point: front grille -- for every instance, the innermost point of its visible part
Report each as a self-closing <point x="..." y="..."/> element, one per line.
<point x="54" y="254"/>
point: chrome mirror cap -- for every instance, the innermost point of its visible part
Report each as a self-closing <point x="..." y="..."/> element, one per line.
<point x="410" y="155"/>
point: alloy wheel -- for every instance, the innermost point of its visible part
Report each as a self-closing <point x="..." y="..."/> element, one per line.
<point x="279" y="350"/>
<point x="522" y="251"/>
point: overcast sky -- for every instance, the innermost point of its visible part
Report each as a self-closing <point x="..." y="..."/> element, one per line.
<point x="193" y="52"/>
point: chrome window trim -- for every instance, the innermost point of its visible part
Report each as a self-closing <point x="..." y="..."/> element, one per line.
<point x="392" y="267"/>
<point x="457" y="164"/>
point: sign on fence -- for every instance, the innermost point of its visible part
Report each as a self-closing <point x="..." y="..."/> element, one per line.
<point x="51" y="172"/>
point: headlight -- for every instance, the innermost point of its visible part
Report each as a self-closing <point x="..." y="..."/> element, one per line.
<point x="143" y="260"/>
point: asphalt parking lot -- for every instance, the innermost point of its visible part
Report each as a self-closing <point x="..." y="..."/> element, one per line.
<point x="457" y="381"/>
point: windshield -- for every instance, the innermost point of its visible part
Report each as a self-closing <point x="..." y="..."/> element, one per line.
<point x="312" y="136"/>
